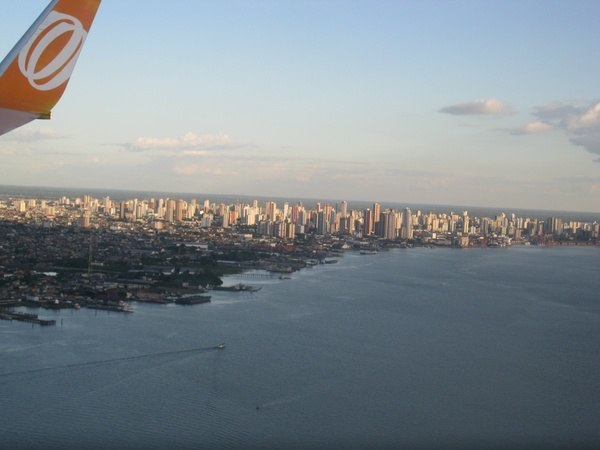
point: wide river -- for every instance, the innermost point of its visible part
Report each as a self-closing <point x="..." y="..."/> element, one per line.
<point x="416" y="348"/>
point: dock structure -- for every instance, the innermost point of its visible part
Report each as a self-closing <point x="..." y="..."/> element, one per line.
<point x="8" y="303"/>
<point x="25" y="317"/>
<point x="255" y="275"/>
<point x="238" y="288"/>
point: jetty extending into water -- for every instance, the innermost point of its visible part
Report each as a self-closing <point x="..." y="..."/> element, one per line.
<point x="238" y="288"/>
<point x="25" y="317"/>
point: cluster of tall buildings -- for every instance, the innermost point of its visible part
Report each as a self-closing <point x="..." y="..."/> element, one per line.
<point x="288" y="220"/>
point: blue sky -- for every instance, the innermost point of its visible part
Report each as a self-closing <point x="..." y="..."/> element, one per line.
<point x="485" y="103"/>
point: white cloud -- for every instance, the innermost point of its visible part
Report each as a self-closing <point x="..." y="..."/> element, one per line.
<point x="189" y="142"/>
<point x="588" y="119"/>
<point x="32" y="134"/>
<point x="531" y="128"/>
<point x="537" y="127"/>
<point x="487" y="107"/>
<point x="209" y="169"/>
<point x="580" y="122"/>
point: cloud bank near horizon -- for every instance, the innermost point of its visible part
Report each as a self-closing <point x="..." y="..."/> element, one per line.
<point x="486" y="107"/>
<point x="190" y="143"/>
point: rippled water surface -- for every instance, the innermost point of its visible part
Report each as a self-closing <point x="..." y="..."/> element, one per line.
<point x="419" y="347"/>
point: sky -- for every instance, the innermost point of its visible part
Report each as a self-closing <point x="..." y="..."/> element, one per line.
<point x="482" y="103"/>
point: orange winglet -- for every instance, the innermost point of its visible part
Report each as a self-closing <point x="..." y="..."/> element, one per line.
<point x="35" y="74"/>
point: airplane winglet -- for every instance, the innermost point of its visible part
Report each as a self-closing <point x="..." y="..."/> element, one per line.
<point x="36" y="71"/>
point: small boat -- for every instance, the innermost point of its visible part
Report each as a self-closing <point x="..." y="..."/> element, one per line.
<point x="221" y="346"/>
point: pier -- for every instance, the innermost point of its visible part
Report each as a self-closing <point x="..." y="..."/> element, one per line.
<point x="26" y="317"/>
<point x="255" y="275"/>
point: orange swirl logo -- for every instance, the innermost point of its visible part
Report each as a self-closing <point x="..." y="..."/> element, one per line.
<point x="48" y="50"/>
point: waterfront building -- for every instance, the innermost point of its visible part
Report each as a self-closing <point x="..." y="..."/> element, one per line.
<point x="387" y="225"/>
<point x="554" y="226"/>
<point x="344" y="227"/>
<point x="465" y="223"/>
<point x="368" y="222"/>
<point x="406" y="231"/>
<point x="376" y="218"/>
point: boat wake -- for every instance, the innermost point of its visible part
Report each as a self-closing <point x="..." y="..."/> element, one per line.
<point x="110" y="361"/>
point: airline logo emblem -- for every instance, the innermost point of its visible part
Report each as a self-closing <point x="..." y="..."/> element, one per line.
<point x="48" y="59"/>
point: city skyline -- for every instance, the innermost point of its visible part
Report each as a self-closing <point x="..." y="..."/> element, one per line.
<point x="289" y="220"/>
<point x="491" y="104"/>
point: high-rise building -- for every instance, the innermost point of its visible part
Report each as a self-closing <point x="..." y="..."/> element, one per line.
<point x="554" y="226"/>
<point x="387" y="225"/>
<point x="406" y="231"/>
<point x="270" y="210"/>
<point x="84" y="221"/>
<point x="179" y="210"/>
<point x="170" y="211"/>
<point x="290" y="230"/>
<point x="87" y="201"/>
<point x="376" y="218"/>
<point x="191" y="209"/>
<point x="225" y="219"/>
<point x="344" y="208"/>
<point x="206" y="221"/>
<point x="295" y="212"/>
<point x="107" y="204"/>
<point x="286" y="211"/>
<point x="367" y="222"/>
<point x="322" y="223"/>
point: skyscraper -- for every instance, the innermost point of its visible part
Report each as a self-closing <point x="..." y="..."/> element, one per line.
<point x="344" y="208"/>
<point x="376" y="218"/>
<point x="368" y="222"/>
<point x="406" y="231"/>
<point x="179" y="210"/>
<point x="387" y="225"/>
<point x="270" y="210"/>
<point x="170" y="211"/>
<point x="465" y="222"/>
<point x="554" y="226"/>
